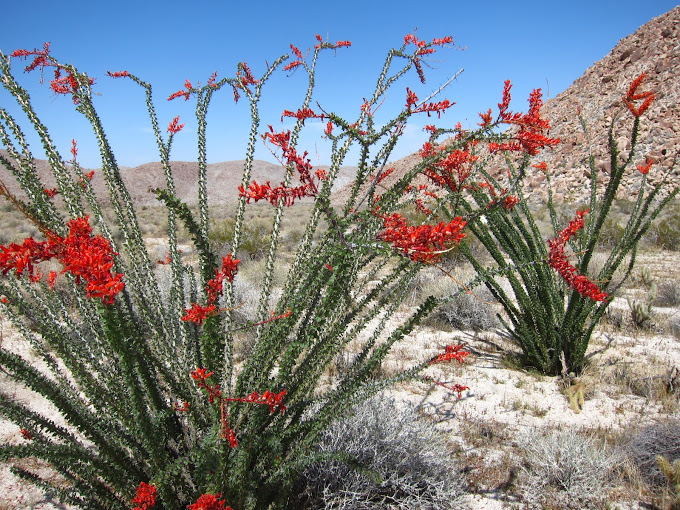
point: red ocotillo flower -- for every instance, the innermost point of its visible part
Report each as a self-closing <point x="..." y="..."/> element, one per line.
<point x="633" y="95"/>
<point x="558" y="261"/>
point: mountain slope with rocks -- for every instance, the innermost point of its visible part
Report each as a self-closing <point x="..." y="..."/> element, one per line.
<point x="653" y="49"/>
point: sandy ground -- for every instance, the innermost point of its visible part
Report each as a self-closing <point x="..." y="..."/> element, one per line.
<point x="512" y="401"/>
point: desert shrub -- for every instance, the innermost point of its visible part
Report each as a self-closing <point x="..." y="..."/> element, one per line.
<point x="554" y="307"/>
<point x="566" y="470"/>
<point x="661" y="438"/>
<point x="612" y="230"/>
<point x="668" y="293"/>
<point x="387" y="458"/>
<point x="470" y="311"/>
<point x="666" y="234"/>
<point x="674" y="326"/>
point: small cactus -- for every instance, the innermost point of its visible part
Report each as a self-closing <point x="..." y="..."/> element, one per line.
<point x="672" y="472"/>
<point x="641" y="311"/>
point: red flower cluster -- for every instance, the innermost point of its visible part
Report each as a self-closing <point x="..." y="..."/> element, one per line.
<point x="146" y="496"/>
<point x="118" y="74"/>
<point x="209" y="502"/>
<point x="288" y="194"/>
<point x="68" y="84"/>
<point x="198" y="313"/>
<point x="558" y="261"/>
<point x="214" y="393"/>
<point x="452" y="352"/>
<point x="633" y="95"/>
<point x="456" y="388"/>
<point x="214" y="289"/>
<point x="87" y="257"/>
<point x="531" y="135"/>
<point x="267" y="398"/>
<point x="338" y="44"/>
<point x="302" y="114"/>
<point x="182" y="93"/>
<point x="438" y="108"/>
<point x="452" y="171"/>
<point x="422" y="243"/>
<point x="26" y="434"/>
<point x="175" y="126"/>
<point x="644" y="168"/>
<point x="424" y="49"/>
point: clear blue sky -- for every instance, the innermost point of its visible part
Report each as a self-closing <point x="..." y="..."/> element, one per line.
<point x="544" y="45"/>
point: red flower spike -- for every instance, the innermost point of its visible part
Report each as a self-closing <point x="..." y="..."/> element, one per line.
<point x="451" y="352"/>
<point x="198" y="313"/>
<point x="442" y="41"/>
<point x="211" y="80"/>
<point x="297" y="52"/>
<point x="456" y="388"/>
<point x="200" y="374"/>
<point x="26" y="434"/>
<point x="51" y="279"/>
<point x="422" y="243"/>
<point x="437" y="108"/>
<point x="644" y="168"/>
<point x="292" y="65"/>
<point x="118" y="74"/>
<point x="411" y="98"/>
<point x="558" y="261"/>
<point x="182" y="93"/>
<point x="510" y="202"/>
<point x="230" y="267"/>
<point x="51" y="192"/>
<point x="486" y="119"/>
<point x="302" y="114"/>
<point x="308" y="188"/>
<point x="146" y="496"/>
<point x="633" y="95"/>
<point x="174" y="126"/>
<point x="541" y="166"/>
<point x="209" y="502"/>
<point x="88" y="258"/>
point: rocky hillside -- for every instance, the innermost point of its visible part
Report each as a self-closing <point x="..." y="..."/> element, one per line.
<point x="653" y="49"/>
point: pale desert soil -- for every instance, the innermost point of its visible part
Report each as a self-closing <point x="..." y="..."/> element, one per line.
<point x="501" y="402"/>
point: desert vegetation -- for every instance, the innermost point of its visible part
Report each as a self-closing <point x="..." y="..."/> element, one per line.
<point x="432" y="340"/>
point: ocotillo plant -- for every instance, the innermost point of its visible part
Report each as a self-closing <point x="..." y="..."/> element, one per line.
<point x="146" y="380"/>
<point x="554" y="307"/>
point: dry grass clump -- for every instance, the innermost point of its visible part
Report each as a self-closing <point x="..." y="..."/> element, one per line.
<point x="386" y="457"/>
<point x="668" y="294"/>
<point x="661" y="438"/>
<point x="566" y="470"/>
<point x="471" y="310"/>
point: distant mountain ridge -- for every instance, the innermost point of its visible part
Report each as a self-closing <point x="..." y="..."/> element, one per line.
<point x="223" y="179"/>
<point x="654" y="49"/>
